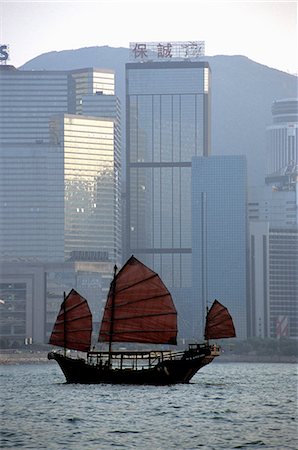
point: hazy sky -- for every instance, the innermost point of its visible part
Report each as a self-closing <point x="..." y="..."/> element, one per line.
<point x="265" y="31"/>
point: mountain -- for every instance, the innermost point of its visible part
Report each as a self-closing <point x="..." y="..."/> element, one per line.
<point x="242" y="95"/>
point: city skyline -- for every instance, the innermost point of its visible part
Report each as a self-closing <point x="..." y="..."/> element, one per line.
<point x="227" y="27"/>
<point x="167" y="122"/>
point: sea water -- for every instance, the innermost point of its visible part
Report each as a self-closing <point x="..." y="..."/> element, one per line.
<point x="226" y="406"/>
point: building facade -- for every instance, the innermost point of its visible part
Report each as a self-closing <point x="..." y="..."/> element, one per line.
<point x="283" y="282"/>
<point x="31" y="295"/>
<point x="42" y="161"/>
<point x="282" y="135"/>
<point x="167" y="123"/>
<point x="60" y="175"/>
<point x="219" y="236"/>
<point x="273" y="216"/>
<point x="259" y="305"/>
<point x="92" y="199"/>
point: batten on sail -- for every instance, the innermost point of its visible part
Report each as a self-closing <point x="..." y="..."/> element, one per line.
<point x="73" y="327"/>
<point x="139" y="307"/>
<point x="219" y="323"/>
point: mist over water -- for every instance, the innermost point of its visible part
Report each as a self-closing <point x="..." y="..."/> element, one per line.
<point x="227" y="406"/>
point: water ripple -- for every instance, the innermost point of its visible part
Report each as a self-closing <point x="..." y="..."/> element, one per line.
<point x="227" y="406"/>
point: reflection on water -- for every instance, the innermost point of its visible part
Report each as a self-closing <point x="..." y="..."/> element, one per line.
<point x="227" y="406"/>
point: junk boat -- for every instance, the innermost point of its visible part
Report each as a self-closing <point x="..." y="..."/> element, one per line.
<point x="139" y="309"/>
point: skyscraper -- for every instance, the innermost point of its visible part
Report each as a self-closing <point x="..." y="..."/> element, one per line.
<point x="272" y="211"/>
<point x="60" y="180"/>
<point x="282" y="135"/>
<point x="90" y="154"/>
<point x="167" y="123"/>
<point x="219" y="236"/>
<point x="36" y="159"/>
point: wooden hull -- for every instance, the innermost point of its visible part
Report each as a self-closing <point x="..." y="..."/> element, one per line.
<point x="169" y="371"/>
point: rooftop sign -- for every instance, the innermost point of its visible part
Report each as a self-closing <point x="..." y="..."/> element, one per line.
<point x="165" y="51"/>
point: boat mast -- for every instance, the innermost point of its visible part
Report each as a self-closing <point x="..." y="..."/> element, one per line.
<point x="112" y="315"/>
<point x="207" y="311"/>
<point x="64" y="323"/>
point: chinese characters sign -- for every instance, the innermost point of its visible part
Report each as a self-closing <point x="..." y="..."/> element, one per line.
<point x="165" y="51"/>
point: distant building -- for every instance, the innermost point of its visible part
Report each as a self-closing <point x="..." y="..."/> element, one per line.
<point x="60" y="171"/>
<point x="273" y="216"/>
<point x="219" y="236"/>
<point x="167" y="123"/>
<point x="31" y="203"/>
<point x="283" y="279"/>
<point x="41" y="160"/>
<point x="31" y="295"/>
<point x="282" y="135"/>
<point x="90" y="154"/>
<point x="273" y="260"/>
<point x="276" y="206"/>
<point x="258" y="305"/>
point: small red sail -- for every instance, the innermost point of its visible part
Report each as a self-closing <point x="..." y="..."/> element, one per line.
<point x="219" y="323"/>
<point x="139" y="308"/>
<point x="73" y="327"/>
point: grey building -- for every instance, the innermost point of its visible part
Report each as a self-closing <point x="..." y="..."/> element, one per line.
<point x="38" y="159"/>
<point x="60" y="178"/>
<point x="273" y="260"/>
<point x="282" y="135"/>
<point x="219" y="236"/>
<point x="273" y="216"/>
<point x="276" y="206"/>
<point x="31" y="295"/>
<point x="258" y="305"/>
<point x="283" y="279"/>
<point x="167" y="123"/>
<point x="31" y="203"/>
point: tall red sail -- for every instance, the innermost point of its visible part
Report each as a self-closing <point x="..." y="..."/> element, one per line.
<point x="73" y="327"/>
<point x="219" y="323"/>
<point x="139" y="308"/>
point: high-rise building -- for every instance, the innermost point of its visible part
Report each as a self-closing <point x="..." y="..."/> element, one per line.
<point x="258" y="304"/>
<point x="282" y="135"/>
<point x="278" y="206"/>
<point x="167" y="123"/>
<point x="273" y="217"/>
<point x="31" y="203"/>
<point x="283" y="282"/>
<point x="60" y="191"/>
<point x="90" y="154"/>
<point x="219" y="236"/>
<point x="40" y="161"/>
<point x="272" y="212"/>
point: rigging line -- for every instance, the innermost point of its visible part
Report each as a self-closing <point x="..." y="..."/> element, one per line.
<point x="157" y="314"/>
<point x="72" y="319"/>
<point x="170" y="330"/>
<point x="77" y="305"/>
<point x="127" y="302"/>
<point x="141" y="281"/>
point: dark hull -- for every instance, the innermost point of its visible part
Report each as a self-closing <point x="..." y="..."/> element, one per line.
<point x="171" y="371"/>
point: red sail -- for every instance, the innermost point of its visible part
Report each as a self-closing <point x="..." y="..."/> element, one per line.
<point x="141" y="307"/>
<point x="73" y="327"/>
<point x="219" y="323"/>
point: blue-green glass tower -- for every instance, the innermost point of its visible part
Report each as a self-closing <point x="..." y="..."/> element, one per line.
<point x="219" y="237"/>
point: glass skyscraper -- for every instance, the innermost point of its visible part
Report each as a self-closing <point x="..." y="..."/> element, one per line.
<point x="59" y="193"/>
<point x="91" y="161"/>
<point x="41" y="157"/>
<point x="220" y="236"/>
<point x="282" y="135"/>
<point x="167" y="123"/>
